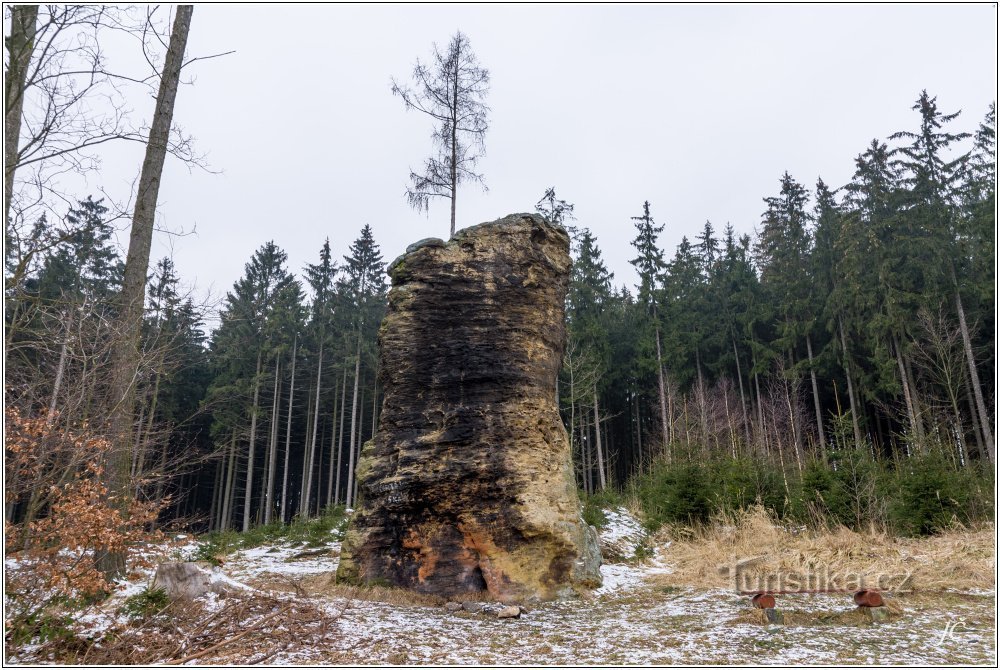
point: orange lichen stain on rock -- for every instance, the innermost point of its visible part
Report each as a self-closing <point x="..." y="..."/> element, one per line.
<point x="427" y="557"/>
<point x="480" y="544"/>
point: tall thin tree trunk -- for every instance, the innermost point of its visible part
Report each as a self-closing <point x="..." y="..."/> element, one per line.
<point x="272" y="446"/>
<point x="354" y="415"/>
<point x="248" y="491"/>
<point x="20" y="44"/>
<point x="315" y="424"/>
<point x="602" y="478"/>
<point x="361" y="430"/>
<point x="815" y="389"/>
<point x="743" y="399"/>
<point x="227" y="501"/>
<point x="288" y="435"/>
<point x="914" y="424"/>
<point x="306" y="472"/>
<point x="340" y="439"/>
<point x="217" y="491"/>
<point x="972" y="413"/>
<point x="794" y="422"/>
<point x="455" y="122"/>
<point x="984" y="417"/>
<point x="665" y="426"/>
<point x="333" y="448"/>
<point x="125" y="350"/>
<point x="60" y="368"/>
<point x="850" y="386"/>
<point x="702" y="405"/>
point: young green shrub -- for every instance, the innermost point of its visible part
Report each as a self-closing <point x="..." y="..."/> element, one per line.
<point x="930" y="495"/>
<point x="145" y="604"/>
<point x="675" y="494"/>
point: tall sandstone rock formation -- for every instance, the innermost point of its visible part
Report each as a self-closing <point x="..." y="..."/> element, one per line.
<point x="468" y="486"/>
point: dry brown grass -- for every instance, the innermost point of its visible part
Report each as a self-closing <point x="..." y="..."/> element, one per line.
<point x="958" y="559"/>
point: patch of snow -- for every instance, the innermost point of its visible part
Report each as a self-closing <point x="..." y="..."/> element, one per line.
<point x="279" y="560"/>
<point x="618" y="577"/>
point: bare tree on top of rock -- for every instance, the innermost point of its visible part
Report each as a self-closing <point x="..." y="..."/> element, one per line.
<point x="451" y="90"/>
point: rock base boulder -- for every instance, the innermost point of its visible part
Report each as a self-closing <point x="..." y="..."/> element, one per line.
<point x="468" y="486"/>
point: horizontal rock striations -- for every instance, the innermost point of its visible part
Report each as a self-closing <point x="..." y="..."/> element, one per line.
<point x="467" y="486"/>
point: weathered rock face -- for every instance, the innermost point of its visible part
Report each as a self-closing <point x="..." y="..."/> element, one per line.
<point x="468" y="485"/>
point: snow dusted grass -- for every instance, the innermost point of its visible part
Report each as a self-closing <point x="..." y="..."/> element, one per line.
<point x="641" y="615"/>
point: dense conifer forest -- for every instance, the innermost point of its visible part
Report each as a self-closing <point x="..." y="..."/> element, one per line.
<point x="839" y="360"/>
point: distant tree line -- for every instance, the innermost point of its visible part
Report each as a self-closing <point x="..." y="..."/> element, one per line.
<point x="856" y="323"/>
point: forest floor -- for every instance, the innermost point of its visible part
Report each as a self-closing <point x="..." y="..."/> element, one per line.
<point x="659" y="605"/>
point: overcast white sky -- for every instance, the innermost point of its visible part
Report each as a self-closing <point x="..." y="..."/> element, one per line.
<point x="698" y="109"/>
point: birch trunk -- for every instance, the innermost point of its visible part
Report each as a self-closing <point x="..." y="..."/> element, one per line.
<point x="977" y="391"/>
<point x="815" y="389"/>
<point x="601" y="477"/>
<point x="906" y="388"/>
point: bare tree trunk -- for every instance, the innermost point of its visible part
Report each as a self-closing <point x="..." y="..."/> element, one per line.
<point x="354" y="415"/>
<point x="663" y="398"/>
<point x="972" y="412"/>
<point x="743" y="400"/>
<point x="288" y="436"/>
<point x="133" y="291"/>
<point x="984" y="417"/>
<point x="850" y="387"/>
<point x="60" y="368"/>
<point x="272" y="446"/>
<point x="333" y="449"/>
<point x="815" y="389"/>
<point x="702" y="414"/>
<point x="638" y="429"/>
<point x="572" y="408"/>
<point x="794" y="422"/>
<point x="454" y="146"/>
<point x="602" y="478"/>
<point x="312" y="442"/>
<point x="227" y="502"/>
<point x="20" y="44"/>
<point x="213" y="513"/>
<point x="361" y="430"/>
<point x="306" y="472"/>
<point x="914" y="425"/>
<point x="248" y="491"/>
<point x="340" y="439"/>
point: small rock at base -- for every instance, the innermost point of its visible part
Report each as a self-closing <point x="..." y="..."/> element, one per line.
<point x="453" y="607"/>
<point x="472" y="607"/>
<point x="773" y="615"/>
<point x="512" y="612"/>
<point x="877" y="614"/>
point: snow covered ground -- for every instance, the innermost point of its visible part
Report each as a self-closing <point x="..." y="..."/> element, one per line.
<point x="631" y="619"/>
